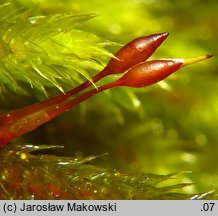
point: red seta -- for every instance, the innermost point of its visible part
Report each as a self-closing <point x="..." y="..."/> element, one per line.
<point x="131" y="60"/>
<point x="134" y="52"/>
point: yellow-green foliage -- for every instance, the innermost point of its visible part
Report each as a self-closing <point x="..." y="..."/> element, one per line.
<point x="170" y="127"/>
<point x="46" y="50"/>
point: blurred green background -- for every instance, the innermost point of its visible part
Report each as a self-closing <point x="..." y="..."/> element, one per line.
<point x="168" y="127"/>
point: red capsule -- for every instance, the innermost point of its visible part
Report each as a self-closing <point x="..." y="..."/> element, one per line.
<point x="134" y="52"/>
<point x="150" y="72"/>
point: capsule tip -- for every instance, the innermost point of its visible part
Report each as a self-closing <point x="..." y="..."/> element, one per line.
<point x="159" y="38"/>
<point x="209" y="55"/>
<point x="164" y="34"/>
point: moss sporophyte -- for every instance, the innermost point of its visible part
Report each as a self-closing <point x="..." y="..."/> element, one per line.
<point x="129" y="60"/>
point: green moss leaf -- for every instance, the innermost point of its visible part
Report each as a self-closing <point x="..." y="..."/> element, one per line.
<point x="37" y="49"/>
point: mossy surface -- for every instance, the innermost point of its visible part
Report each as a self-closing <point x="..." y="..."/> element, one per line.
<point x="48" y="47"/>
